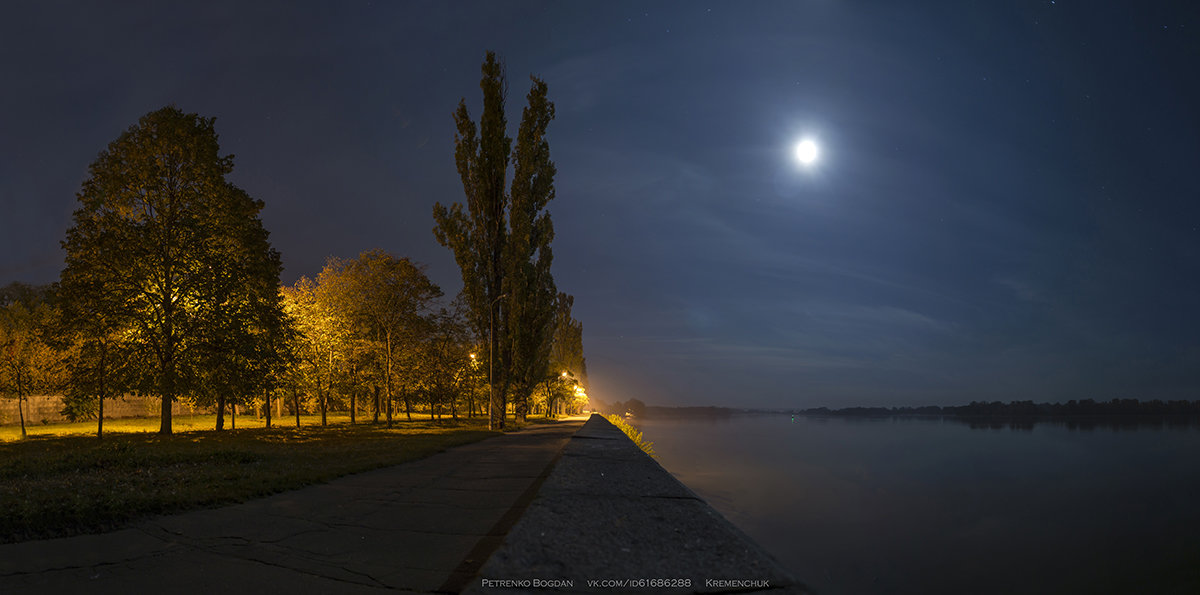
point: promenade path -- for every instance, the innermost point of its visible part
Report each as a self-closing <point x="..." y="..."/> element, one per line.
<point x="424" y="526"/>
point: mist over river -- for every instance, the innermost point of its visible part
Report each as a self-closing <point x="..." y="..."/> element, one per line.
<point x="910" y="505"/>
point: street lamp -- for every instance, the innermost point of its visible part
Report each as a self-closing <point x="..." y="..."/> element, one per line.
<point x="491" y="359"/>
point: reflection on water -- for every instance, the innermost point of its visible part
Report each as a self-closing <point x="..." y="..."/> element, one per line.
<point x="903" y="505"/>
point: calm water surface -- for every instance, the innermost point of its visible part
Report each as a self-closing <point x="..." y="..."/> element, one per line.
<point x="931" y="506"/>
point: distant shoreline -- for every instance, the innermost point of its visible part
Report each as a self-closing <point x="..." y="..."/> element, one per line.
<point x="1084" y="414"/>
<point x="1085" y="407"/>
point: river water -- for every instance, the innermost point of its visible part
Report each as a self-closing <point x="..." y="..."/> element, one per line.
<point x="929" y="506"/>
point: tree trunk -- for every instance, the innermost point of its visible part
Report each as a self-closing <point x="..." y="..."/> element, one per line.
<point x="233" y="416"/>
<point x="520" y="405"/>
<point x="167" y="359"/>
<point x="387" y="379"/>
<point x="322" y="397"/>
<point x="407" y="402"/>
<point x="21" y="412"/>
<point x="267" y="395"/>
<point x="353" y="405"/>
<point x="165" y="416"/>
<point x="495" y="398"/>
<point x="503" y="402"/>
<point x="296" y="400"/>
<point x="377" y="403"/>
<point x="221" y="412"/>
<point x="103" y="371"/>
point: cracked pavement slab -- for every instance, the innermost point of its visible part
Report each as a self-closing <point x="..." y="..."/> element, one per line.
<point x="410" y="527"/>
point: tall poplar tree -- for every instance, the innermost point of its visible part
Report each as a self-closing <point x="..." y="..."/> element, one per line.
<point x="507" y="287"/>
<point x="477" y="235"/>
<point x="156" y="236"/>
<point x="531" y="290"/>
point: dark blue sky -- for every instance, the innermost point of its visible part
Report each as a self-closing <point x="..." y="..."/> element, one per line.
<point x="1006" y="204"/>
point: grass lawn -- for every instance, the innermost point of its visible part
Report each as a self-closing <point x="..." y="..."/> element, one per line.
<point x="61" y="481"/>
<point x="179" y="423"/>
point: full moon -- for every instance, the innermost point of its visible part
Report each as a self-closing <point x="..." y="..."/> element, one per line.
<point x="807" y="151"/>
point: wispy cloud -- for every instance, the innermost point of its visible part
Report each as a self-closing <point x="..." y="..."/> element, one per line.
<point x="1021" y="289"/>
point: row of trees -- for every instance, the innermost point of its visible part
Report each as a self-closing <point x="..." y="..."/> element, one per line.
<point x="371" y="326"/>
<point x="375" y="334"/>
<point x="368" y="334"/>
<point x="171" y="288"/>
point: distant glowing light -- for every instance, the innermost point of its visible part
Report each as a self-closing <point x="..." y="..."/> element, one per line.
<point x="807" y="151"/>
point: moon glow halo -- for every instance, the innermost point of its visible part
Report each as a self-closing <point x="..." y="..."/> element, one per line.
<point x="807" y="151"/>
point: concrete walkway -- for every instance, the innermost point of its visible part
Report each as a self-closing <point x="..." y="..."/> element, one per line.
<point x="424" y="526"/>
<point x="610" y="519"/>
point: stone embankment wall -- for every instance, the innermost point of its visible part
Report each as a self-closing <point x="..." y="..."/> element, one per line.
<point x="48" y="409"/>
<point x="610" y="519"/>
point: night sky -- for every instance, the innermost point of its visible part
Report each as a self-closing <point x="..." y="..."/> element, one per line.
<point x="1006" y="205"/>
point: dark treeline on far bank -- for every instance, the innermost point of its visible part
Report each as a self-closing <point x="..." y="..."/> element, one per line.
<point x="1018" y="415"/>
<point x="1086" y="414"/>
<point x="1026" y="408"/>
<point x="1085" y="407"/>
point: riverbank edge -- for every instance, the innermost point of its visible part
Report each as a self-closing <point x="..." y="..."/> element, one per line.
<point x="609" y="518"/>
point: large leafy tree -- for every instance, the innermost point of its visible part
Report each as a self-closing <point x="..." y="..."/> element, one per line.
<point x="386" y="300"/>
<point x="28" y="363"/>
<point x="162" y="244"/>
<point x="445" y="359"/>
<point x="321" y="345"/>
<point x="507" y="287"/>
<point x="97" y="358"/>
<point x="96" y="371"/>
<point x="243" y="343"/>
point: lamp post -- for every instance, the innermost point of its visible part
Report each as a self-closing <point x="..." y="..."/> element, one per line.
<point x="564" y="379"/>
<point x="474" y="370"/>
<point x="491" y="365"/>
